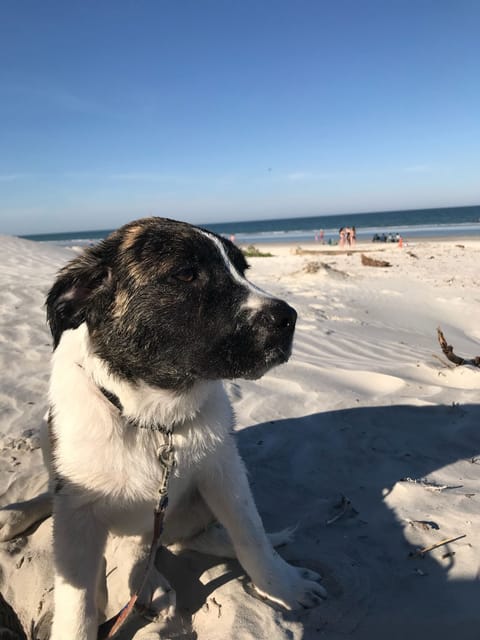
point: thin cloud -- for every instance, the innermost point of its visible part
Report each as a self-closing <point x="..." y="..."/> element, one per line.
<point x="141" y="176"/>
<point x="10" y="177"/>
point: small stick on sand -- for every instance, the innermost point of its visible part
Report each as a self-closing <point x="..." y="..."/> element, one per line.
<point x="448" y="351"/>
<point x="345" y="505"/>
<point x="422" y="552"/>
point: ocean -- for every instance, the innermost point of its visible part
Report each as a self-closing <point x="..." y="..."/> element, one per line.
<point x="410" y="224"/>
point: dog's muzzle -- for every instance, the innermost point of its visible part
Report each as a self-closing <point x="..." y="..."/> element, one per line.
<point x="273" y="325"/>
<point x="277" y="316"/>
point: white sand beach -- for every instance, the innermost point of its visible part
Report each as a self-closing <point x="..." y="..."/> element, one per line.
<point x="368" y="441"/>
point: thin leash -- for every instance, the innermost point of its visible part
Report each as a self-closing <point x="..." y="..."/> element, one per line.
<point x="166" y="457"/>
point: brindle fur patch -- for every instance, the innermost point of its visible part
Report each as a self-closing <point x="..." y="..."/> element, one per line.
<point x="121" y="303"/>
<point x="130" y="236"/>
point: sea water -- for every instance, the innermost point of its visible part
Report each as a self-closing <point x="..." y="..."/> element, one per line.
<point x="410" y="224"/>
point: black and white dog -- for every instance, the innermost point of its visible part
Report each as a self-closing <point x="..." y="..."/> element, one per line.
<point x="145" y="325"/>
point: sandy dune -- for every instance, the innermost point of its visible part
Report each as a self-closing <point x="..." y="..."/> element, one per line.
<point x="368" y="440"/>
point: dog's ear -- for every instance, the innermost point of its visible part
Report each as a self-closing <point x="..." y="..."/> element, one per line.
<point x="76" y="291"/>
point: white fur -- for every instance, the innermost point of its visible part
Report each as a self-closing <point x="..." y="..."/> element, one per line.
<point x="117" y="467"/>
<point x="257" y="297"/>
<point x="86" y="422"/>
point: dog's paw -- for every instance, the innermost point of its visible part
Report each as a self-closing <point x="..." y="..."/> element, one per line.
<point x="150" y="632"/>
<point x="157" y="596"/>
<point x="293" y="587"/>
<point x="158" y="630"/>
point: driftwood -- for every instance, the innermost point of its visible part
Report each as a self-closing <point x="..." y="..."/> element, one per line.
<point x="448" y="351"/>
<point x="300" y="251"/>
<point x="373" y="262"/>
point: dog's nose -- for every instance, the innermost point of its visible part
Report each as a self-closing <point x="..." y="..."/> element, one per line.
<point x="278" y="314"/>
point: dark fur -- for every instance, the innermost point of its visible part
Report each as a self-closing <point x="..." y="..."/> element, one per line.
<point x="161" y="307"/>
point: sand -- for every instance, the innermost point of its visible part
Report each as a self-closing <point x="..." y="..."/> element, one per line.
<point x="367" y="440"/>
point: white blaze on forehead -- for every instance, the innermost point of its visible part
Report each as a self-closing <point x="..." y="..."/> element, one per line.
<point x="257" y="297"/>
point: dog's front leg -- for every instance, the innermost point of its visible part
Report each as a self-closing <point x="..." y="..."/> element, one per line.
<point x="226" y="490"/>
<point x="79" y="542"/>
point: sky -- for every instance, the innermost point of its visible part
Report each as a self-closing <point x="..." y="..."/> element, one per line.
<point x="221" y="110"/>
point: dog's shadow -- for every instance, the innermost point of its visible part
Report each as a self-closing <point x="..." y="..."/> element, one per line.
<point x="332" y="473"/>
<point x="339" y="476"/>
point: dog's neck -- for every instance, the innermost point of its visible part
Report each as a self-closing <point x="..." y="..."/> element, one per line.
<point x="141" y="403"/>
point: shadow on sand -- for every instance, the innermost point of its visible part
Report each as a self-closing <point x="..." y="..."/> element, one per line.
<point x="299" y="469"/>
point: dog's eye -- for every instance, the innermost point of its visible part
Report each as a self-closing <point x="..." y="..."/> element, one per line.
<point x="188" y="274"/>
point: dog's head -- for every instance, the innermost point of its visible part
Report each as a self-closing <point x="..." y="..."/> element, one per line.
<point x="169" y="304"/>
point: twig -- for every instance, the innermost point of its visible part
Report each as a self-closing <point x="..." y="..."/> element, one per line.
<point x="448" y="351"/>
<point x="345" y="505"/>
<point x="422" y="552"/>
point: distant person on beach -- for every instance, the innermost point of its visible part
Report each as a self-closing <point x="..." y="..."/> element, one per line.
<point x="350" y="235"/>
<point x="347" y="235"/>
<point x="353" y="236"/>
<point x="321" y="236"/>
<point x="342" y="236"/>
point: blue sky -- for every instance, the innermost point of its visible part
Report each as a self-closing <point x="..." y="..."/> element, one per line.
<point x="211" y="110"/>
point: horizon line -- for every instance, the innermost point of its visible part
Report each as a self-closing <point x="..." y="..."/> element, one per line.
<point x="233" y="222"/>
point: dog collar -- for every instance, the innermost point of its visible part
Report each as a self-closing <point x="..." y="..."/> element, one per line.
<point x="115" y="400"/>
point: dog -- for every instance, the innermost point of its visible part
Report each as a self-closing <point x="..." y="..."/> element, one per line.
<point x="146" y="325"/>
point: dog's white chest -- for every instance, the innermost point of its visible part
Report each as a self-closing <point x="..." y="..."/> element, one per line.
<point x="99" y="450"/>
